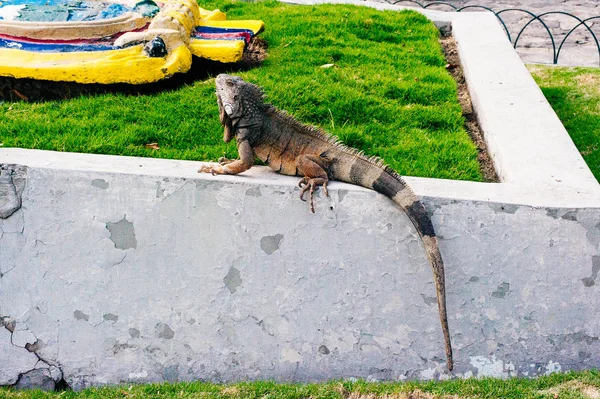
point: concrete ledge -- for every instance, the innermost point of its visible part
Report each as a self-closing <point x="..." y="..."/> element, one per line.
<point x="536" y="195"/>
<point x="246" y="283"/>
<point x="526" y="140"/>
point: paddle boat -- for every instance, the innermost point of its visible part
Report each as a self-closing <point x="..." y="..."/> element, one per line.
<point x="114" y="41"/>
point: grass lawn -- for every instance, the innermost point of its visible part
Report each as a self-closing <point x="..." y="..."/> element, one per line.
<point x="387" y="94"/>
<point x="574" y="94"/>
<point x="579" y="385"/>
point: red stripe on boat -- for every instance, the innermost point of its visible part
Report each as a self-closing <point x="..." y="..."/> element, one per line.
<point x="224" y="36"/>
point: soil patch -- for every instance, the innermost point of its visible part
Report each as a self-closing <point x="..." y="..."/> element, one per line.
<point x="571" y="387"/>
<point x="471" y="124"/>
<point x="33" y="90"/>
<point x="589" y="83"/>
<point x="417" y="394"/>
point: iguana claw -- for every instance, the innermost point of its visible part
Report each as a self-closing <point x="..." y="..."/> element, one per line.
<point x="307" y="184"/>
<point x="207" y="169"/>
<point x="302" y="181"/>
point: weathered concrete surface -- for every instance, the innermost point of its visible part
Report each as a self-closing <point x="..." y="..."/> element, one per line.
<point x="127" y="269"/>
<point x="11" y="186"/>
<point x="20" y="365"/>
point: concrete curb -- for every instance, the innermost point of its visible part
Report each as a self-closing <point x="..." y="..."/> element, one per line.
<point x="529" y="194"/>
<point x="526" y="140"/>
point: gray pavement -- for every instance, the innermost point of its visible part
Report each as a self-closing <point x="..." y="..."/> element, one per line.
<point x="535" y="46"/>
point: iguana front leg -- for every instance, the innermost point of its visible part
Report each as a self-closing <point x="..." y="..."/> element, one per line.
<point x="313" y="168"/>
<point x="234" y="167"/>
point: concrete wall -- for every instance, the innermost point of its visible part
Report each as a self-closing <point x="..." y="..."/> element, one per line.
<point x="116" y="269"/>
<point x="122" y="269"/>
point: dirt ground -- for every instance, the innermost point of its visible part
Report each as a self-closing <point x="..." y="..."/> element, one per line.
<point x="471" y="124"/>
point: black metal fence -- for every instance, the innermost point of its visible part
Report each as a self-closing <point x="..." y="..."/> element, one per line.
<point x="579" y="23"/>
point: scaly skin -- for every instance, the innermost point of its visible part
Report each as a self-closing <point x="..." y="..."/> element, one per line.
<point x="292" y="148"/>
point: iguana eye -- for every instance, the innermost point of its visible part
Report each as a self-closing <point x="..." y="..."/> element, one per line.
<point x="229" y="82"/>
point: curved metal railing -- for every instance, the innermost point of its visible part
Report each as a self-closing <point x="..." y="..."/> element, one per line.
<point x="555" y="51"/>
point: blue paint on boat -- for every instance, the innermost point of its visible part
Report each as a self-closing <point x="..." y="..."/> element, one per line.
<point x="54" y="47"/>
<point x="84" y="13"/>
<point x="200" y="32"/>
<point x="212" y="29"/>
<point x="61" y="10"/>
<point x="147" y="8"/>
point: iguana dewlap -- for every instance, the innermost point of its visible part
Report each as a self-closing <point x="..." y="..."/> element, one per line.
<point x="292" y="148"/>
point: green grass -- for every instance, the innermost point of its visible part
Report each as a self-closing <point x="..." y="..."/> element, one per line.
<point x="574" y="94"/>
<point x="580" y="385"/>
<point x="388" y="95"/>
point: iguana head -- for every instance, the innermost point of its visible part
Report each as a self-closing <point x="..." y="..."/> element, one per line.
<point x="241" y="104"/>
<point x="229" y="94"/>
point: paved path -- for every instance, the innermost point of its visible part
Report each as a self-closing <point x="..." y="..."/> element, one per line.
<point x="535" y="45"/>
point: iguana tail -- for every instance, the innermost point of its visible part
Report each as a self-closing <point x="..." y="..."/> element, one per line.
<point x="373" y="173"/>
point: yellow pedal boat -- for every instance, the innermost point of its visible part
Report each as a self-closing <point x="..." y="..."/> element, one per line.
<point x="115" y="41"/>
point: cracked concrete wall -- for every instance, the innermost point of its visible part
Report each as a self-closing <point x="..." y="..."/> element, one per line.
<point x="112" y="277"/>
<point x="11" y="186"/>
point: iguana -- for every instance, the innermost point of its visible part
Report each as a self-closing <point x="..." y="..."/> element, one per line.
<point x="292" y="148"/>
